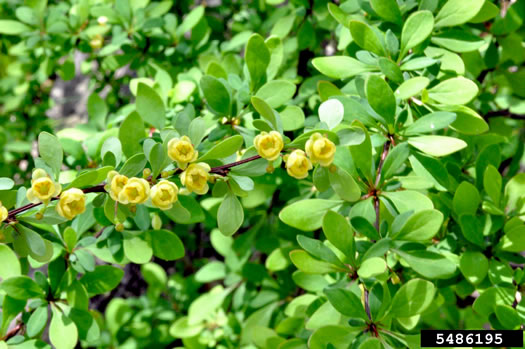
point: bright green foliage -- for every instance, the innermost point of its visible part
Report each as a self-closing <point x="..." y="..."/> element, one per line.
<point x="387" y="194"/>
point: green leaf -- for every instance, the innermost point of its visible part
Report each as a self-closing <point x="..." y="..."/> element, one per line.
<point x="487" y="12"/>
<point x="372" y="267"/>
<point x="381" y="98"/>
<point x="362" y="154"/>
<point x="422" y="225"/>
<point x="306" y="215"/>
<point x="265" y="110"/>
<point x="130" y="133"/>
<point x="409" y="200"/>
<point x="166" y="245"/>
<point x="37" y="321"/>
<point x="429" y="264"/>
<point x="456" y="12"/>
<point x="58" y="328"/>
<point x="467" y="120"/>
<point x="150" y="106"/>
<point x="230" y="215"/>
<point x="395" y="160"/>
<point x="157" y="159"/>
<point x="412" y="87"/>
<point x="331" y="112"/>
<point x="416" y="29"/>
<point x="387" y="9"/>
<point x="363" y="227"/>
<point x="472" y="229"/>
<point x="341" y="67"/>
<point x="292" y="118"/>
<point x="197" y="131"/>
<point x="486" y="303"/>
<point x="390" y="69"/>
<point x="21" y="287"/>
<point x="97" y="109"/>
<point x="10" y="264"/>
<point x="224" y="149"/>
<point x="344" y="185"/>
<point x="474" y="266"/>
<point x="514" y="240"/>
<point x="103" y="279"/>
<point x="492" y="183"/>
<point x="6" y="183"/>
<point x="366" y="37"/>
<point x="458" y="41"/>
<point x="508" y="316"/>
<point x="466" y="199"/>
<point x="437" y="145"/>
<point x="306" y="263"/>
<point x="133" y="165"/>
<point x="412" y="298"/>
<point x="339" y="233"/>
<point x="430" y="123"/>
<point x="318" y="250"/>
<point x="216" y="94"/>
<point x="111" y="152"/>
<point x="191" y="20"/>
<point x="346" y="302"/>
<point x="454" y="91"/>
<point x="276" y="92"/>
<point x="50" y="151"/>
<point x="137" y="250"/>
<point x="10" y="27"/>
<point x="257" y="57"/>
<point x="210" y="272"/>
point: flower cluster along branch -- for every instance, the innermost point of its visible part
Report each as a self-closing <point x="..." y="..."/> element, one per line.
<point x="194" y="176"/>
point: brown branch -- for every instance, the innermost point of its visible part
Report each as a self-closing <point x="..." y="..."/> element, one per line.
<point x="225" y="168"/>
<point x="504" y="113"/>
<point x="14" y="331"/>
<point x="375" y="190"/>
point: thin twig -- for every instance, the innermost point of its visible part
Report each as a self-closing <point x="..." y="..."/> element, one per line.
<point x="504" y="113"/>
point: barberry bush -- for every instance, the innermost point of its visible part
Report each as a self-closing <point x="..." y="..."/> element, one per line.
<point x="261" y="174"/>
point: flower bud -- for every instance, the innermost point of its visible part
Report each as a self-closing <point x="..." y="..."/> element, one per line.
<point x="146" y="173"/>
<point x="270" y="168"/>
<point x="182" y="151"/>
<point x="269" y="145"/>
<point x="3" y="212"/>
<point x="119" y="227"/>
<point x="136" y="191"/>
<point x="156" y="222"/>
<point x="102" y="20"/>
<point x="39" y="215"/>
<point x="72" y="203"/>
<point x="320" y="150"/>
<point x="195" y="178"/>
<point x="43" y="188"/>
<point x="116" y="184"/>
<point x="96" y="42"/>
<point x="164" y="194"/>
<point x="298" y="165"/>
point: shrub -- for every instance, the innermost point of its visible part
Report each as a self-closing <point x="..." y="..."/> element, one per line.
<point x="300" y="174"/>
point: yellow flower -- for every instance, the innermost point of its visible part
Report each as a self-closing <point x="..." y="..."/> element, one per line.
<point x="116" y="183"/>
<point x="182" y="151"/>
<point x="164" y="194"/>
<point x="72" y="202"/>
<point x="3" y="212"/>
<point x="320" y="150"/>
<point x="43" y="188"/>
<point x="269" y="145"/>
<point x="136" y="191"/>
<point x="195" y="178"/>
<point x="298" y="165"/>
